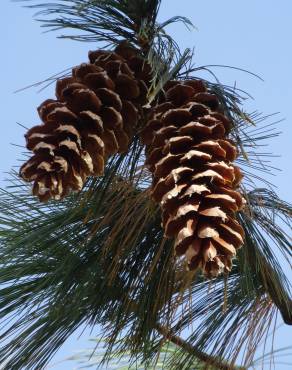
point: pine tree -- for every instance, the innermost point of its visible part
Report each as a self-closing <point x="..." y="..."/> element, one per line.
<point x="136" y="163"/>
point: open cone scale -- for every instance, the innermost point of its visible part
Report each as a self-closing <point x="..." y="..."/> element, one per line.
<point x="194" y="180"/>
<point x="93" y="117"/>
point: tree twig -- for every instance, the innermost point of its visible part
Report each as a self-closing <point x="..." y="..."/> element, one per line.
<point x="188" y="347"/>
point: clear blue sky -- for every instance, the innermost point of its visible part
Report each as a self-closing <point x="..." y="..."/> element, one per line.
<point x="254" y="35"/>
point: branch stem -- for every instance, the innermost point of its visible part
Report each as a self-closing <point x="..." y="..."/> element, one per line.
<point x="188" y="347"/>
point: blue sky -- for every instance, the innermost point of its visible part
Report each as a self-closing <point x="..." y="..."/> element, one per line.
<point x="253" y="35"/>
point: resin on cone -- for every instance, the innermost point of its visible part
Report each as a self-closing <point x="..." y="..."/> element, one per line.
<point x="190" y="156"/>
<point x="94" y="116"/>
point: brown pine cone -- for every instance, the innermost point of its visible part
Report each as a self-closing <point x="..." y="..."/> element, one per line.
<point x="94" y="116"/>
<point x="194" y="181"/>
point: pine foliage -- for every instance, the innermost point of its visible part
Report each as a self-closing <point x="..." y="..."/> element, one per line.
<point x="99" y="257"/>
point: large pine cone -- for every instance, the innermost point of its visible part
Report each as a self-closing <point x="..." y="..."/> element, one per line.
<point x="194" y="181"/>
<point x="94" y="116"/>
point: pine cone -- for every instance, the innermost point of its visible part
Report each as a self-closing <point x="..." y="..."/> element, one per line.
<point x="190" y="157"/>
<point x="93" y="117"/>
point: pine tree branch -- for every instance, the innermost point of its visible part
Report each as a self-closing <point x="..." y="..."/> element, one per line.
<point x="35" y="244"/>
<point x="188" y="347"/>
